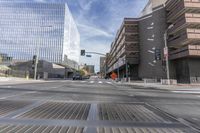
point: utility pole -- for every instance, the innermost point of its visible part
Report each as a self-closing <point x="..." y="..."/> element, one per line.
<point x="38" y="52"/>
<point x="36" y="63"/>
<point x="167" y="53"/>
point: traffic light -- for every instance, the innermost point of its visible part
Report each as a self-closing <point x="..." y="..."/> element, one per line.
<point x="157" y="54"/>
<point x="82" y="52"/>
<point x="34" y="61"/>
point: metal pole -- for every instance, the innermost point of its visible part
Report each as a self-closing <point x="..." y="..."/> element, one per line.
<point x="37" y="53"/>
<point x="126" y="71"/>
<point x="36" y="62"/>
<point x="167" y="58"/>
<point x="105" y="70"/>
<point x="118" y="69"/>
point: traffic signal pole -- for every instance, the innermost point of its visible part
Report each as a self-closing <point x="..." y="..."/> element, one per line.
<point x="167" y="54"/>
<point x="167" y="59"/>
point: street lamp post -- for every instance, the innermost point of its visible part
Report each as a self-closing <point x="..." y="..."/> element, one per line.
<point x="36" y="62"/>
<point x="167" y="54"/>
<point x="37" y="54"/>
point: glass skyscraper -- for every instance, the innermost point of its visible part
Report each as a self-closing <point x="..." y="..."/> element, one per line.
<point x="44" y="29"/>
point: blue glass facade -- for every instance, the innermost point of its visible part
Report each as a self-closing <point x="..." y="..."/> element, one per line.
<point x="44" y="28"/>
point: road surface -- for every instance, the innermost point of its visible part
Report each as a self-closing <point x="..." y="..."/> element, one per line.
<point x="96" y="106"/>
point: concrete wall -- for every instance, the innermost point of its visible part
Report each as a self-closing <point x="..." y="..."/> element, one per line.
<point x="194" y="69"/>
<point x="187" y="70"/>
<point x="152" y="28"/>
<point x="182" y="70"/>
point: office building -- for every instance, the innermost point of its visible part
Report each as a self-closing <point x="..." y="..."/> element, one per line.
<point x="180" y="20"/>
<point x="44" y="29"/>
<point x="184" y="38"/>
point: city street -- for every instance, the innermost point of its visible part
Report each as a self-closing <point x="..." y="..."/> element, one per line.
<point x="96" y="106"/>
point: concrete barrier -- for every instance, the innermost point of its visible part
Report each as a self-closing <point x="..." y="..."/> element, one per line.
<point x="168" y="82"/>
<point x="150" y="81"/>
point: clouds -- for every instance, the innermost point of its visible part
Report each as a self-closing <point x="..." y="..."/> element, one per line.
<point x="99" y="20"/>
<point x="40" y="1"/>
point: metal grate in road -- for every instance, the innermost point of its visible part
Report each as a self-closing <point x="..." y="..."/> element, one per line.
<point x="59" y="110"/>
<point x="38" y="129"/>
<point x="143" y="130"/>
<point x="7" y="106"/>
<point x="129" y="112"/>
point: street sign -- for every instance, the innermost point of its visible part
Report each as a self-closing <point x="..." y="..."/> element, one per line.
<point x="165" y="52"/>
<point x="88" y="55"/>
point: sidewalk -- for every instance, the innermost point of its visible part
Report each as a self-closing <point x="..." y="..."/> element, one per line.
<point x="13" y="80"/>
<point x="162" y="87"/>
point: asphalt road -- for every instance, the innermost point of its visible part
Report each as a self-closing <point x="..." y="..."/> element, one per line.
<point x="96" y="106"/>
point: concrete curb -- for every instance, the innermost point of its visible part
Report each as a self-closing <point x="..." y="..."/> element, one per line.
<point x="164" y="87"/>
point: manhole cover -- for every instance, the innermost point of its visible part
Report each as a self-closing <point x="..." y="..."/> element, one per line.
<point x="143" y="130"/>
<point x="129" y="112"/>
<point x="38" y="129"/>
<point x="59" y="110"/>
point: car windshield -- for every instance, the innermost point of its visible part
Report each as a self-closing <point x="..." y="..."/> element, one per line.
<point x="99" y="66"/>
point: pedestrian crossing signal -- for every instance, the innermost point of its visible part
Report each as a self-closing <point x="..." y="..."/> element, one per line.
<point x="157" y="54"/>
<point x="82" y="52"/>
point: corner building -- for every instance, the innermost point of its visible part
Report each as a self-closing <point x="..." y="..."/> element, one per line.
<point x="183" y="42"/>
<point x="124" y="52"/>
<point x="44" y="29"/>
<point x="184" y="39"/>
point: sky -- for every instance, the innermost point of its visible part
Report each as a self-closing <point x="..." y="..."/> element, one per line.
<point x="98" y="22"/>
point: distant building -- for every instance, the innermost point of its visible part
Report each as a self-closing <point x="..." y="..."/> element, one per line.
<point x="45" y="69"/>
<point x="102" y="66"/>
<point x="44" y="29"/>
<point x="5" y="59"/>
<point x="90" y="69"/>
<point x="138" y="50"/>
<point x="124" y="51"/>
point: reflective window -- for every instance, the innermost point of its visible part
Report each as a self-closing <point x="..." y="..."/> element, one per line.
<point x="26" y="27"/>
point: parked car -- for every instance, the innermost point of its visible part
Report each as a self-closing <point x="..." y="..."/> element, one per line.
<point x="77" y="77"/>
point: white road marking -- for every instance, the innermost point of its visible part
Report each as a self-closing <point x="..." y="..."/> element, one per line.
<point x="83" y="81"/>
<point x="100" y="82"/>
<point x="109" y="82"/>
<point x="91" y="82"/>
<point x="187" y="92"/>
<point x="8" y="86"/>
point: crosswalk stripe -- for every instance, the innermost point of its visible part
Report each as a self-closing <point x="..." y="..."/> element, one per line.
<point x="91" y="82"/>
